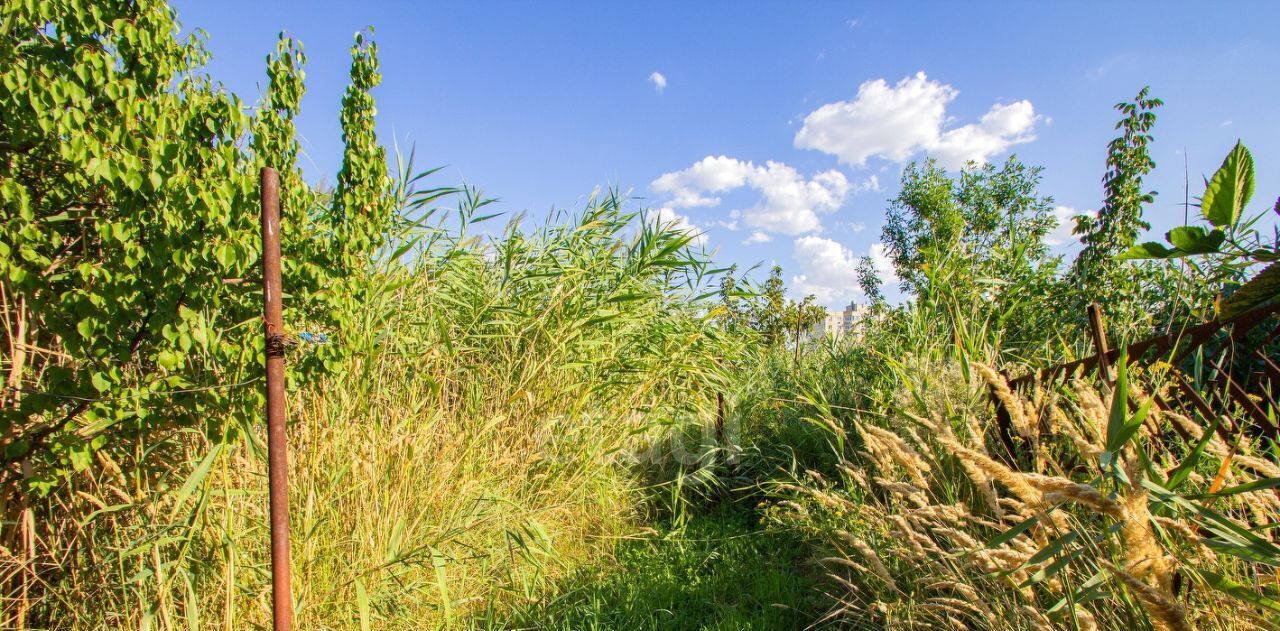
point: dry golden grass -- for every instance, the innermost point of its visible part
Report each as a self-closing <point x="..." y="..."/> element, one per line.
<point x="1101" y="552"/>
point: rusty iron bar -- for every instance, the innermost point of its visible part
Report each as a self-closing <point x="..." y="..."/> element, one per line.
<point x="1163" y="405"/>
<point x="1195" y="335"/>
<point x="1241" y="397"/>
<point x="1270" y="368"/>
<point x="277" y="445"/>
<point x="1099" y="331"/>
<point x="1225" y="430"/>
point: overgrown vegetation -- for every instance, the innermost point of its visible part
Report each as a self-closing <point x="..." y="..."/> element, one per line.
<point x="581" y="422"/>
<point x="1102" y="508"/>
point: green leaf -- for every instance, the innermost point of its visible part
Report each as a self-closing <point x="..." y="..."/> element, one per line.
<point x="1090" y="590"/>
<point x="362" y="606"/>
<point x="1248" y="487"/>
<point x="442" y="584"/>
<point x="85" y="328"/>
<point x="1129" y="428"/>
<point x="1229" y="189"/>
<point x="1119" y="399"/>
<point x="1236" y="590"/>
<point x="1052" y="569"/>
<point x="195" y="480"/>
<point x="1012" y="533"/>
<point x="1195" y="240"/>
<point x="226" y="255"/>
<point x="1148" y="250"/>
<point x="100" y="382"/>
<point x="168" y="360"/>
<point x="81" y="456"/>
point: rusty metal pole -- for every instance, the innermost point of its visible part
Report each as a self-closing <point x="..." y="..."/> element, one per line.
<point x="277" y="447"/>
<point x="1099" y="330"/>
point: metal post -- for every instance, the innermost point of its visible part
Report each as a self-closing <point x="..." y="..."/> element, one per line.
<point x="277" y="447"/>
<point x="1099" y="331"/>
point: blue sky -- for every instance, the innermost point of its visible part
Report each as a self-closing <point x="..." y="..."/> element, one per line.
<point x="779" y="130"/>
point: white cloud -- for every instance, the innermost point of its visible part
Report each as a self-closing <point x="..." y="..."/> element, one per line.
<point x="757" y="237"/>
<point x="828" y="270"/>
<point x="659" y="81"/>
<point x="882" y="121"/>
<point x="789" y="203"/>
<point x="857" y="226"/>
<point x="1065" y="216"/>
<point x="674" y="220"/>
<point x="709" y="175"/>
<point x="732" y="224"/>
<point x="897" y="122"/>
<point x="1001" y="127"/>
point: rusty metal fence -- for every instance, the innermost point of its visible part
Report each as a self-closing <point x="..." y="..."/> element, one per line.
<point x="1247" y="392"/>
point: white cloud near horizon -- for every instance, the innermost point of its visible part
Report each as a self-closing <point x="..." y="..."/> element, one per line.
<point x="659" y="81"/>
<point x="790" y="203"/>
<point x="829" y="270"/>
<point x="900" y="121"/>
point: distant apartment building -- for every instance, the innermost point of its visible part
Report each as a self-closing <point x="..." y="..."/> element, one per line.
<point x="840" y="323"/>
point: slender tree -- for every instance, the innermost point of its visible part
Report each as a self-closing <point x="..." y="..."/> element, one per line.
<point x="1119" y="221"/>
<point x="360" y="203"/>
<point x="869" y="281"/>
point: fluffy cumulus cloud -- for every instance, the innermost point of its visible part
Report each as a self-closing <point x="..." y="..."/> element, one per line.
<point x="690" y="188"/>
<point x="829" y="270"/>
<point x="899" y="121"/>
<point x="790" y="203"/>
<point x="669" y="217"/>
<point x="1000" y="128"/>
<point x="659" y="81"/>
<point x="757" y="237"/>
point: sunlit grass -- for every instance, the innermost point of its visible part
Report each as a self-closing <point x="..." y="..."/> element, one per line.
<point x="721" y="571"/>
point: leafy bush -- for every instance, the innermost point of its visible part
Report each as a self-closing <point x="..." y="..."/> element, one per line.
<point x="130" y="236"/>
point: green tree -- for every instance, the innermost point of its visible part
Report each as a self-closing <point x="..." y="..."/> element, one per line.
<point x="735" y="303"/>
<point x="127" y="201"/>
<point x="129" y="231"/>
<point x="1119" y="221"/>
<point x="768" y="315"/>
<point x="800" y="317"/>
<point x="977" y="241"/>
<point x="993" y="219"/>
<point x="361" y="208"/>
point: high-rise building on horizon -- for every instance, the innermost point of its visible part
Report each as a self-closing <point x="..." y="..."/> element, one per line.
<point x="840" y="323"/>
